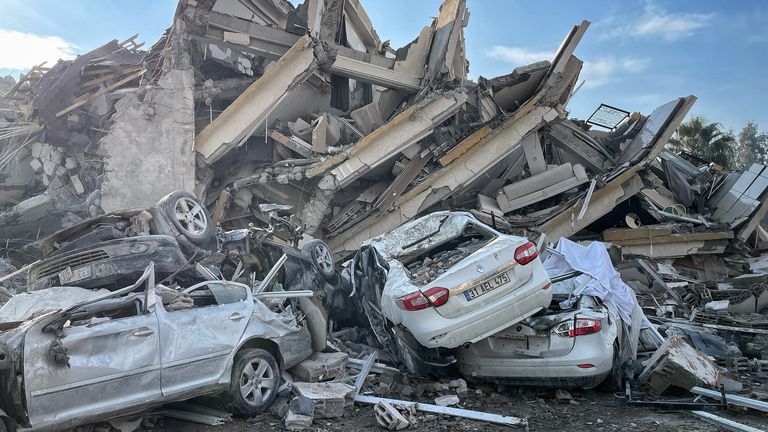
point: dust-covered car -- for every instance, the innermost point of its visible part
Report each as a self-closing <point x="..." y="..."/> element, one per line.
<point x="444" y="280"/>
<point x="113" y="249"/>
<point x="580" y="340"/>
<point x="71" y="356"/>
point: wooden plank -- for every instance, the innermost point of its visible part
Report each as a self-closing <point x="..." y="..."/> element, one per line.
<point x="675" y="238"/>
<point x="109" y="76"/>
<point x="402" y="181"/>
<point x="130" y="39"/>
<point x="107" y="89"/>
<point x="292" y="143"/>
<point x="221" y="204"/>
<point x="98" y="71"/>
<point x="630" y="233"/>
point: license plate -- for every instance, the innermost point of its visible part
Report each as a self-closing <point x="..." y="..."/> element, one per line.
<point x="68" y="275"/>
<point x="488" y="285"/>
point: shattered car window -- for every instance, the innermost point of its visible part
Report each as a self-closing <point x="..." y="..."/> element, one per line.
<point x="109" y="309"/>
<point x="225" y="293"/>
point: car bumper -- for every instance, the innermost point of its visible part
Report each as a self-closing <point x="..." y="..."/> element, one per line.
<point x="476" y="364"/>
<point x="105" y="263"/>
<point x="436" y="331"/>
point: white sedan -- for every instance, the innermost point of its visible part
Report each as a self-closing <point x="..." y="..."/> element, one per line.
<point x="453" y="280"/>
<point x="585" y="336"/>
<point x="574" y="344"/>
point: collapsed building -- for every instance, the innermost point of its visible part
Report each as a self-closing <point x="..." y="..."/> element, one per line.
<point x="306" y="106"/>
<point x="246" y="102"/>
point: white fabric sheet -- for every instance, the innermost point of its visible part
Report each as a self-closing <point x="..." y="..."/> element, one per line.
<point x="593" y="260"/>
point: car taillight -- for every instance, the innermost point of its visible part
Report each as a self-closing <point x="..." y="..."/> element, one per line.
<point x="578" y="327"/>
<point x="526" y="253"/>
<point x="417" y="300"/>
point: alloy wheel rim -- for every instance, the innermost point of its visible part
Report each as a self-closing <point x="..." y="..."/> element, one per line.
<point x="191" y="216"/>
<point x="257" y="382"/>
<point x="324" y="258"/>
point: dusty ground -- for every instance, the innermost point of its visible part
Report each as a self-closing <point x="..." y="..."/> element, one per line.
<point x="588" y="411"/>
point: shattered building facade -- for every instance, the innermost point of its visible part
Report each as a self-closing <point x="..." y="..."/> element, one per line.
<point x="248" y="102"/>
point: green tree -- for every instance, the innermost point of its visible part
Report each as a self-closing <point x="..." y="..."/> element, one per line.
<point x="753" y="146"/>
<point x="705" y="141"/>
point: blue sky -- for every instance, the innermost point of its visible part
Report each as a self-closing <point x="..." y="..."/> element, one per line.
<point x="638" y="54"/>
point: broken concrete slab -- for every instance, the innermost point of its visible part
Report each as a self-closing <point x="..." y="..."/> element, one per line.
<point x="389" y="417"/>
<point x="678" y="364"/>
<point x="330" y="398"/>
<point x="251" y="108"/>
<point x="541" y="186"/>
<point x="320" y="367"/>
<point x="301" y="413"/>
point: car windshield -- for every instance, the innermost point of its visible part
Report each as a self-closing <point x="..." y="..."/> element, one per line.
<point x="426" y="232"/>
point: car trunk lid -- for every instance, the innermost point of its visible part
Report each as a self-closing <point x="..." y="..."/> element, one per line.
<point x="534" y="338"/>
<point x="481" y="278"/>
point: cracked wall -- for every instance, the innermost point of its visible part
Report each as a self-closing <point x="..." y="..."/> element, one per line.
<point x="149" y="151"/>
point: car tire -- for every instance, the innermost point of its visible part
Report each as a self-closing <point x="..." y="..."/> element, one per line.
<point x="615" y="381"/>
<point x="321" y="257"/>
<point x="255" y="382"/>
<point x="189" y="217"/>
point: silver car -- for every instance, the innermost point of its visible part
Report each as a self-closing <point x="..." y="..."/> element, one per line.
<point x="576" y="342"/>
<point x="71" y="356"/>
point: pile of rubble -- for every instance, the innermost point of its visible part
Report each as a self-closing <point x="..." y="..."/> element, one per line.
<point x="246" y="103"/>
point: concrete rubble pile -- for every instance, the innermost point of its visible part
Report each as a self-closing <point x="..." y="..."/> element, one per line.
<point x="252" y="102"/>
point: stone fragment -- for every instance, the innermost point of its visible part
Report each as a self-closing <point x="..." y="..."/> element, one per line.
<point x="77" y="185"/>
<point x="301" y="413"/>
<point x="36" y="165"/>
<point x="447" y="400"/>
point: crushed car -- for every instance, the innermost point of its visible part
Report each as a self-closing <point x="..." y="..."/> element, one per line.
<point x="580" y="340"/>
<point x="71" y="356"/>
<point x="113" y="249"/>
<point x="441" y="281"/>
<point x="177" y="234"/>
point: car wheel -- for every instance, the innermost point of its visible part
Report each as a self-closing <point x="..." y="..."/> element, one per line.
<point x="188" y="216"/>
<point x="255" y="381"/>
<point x="322" y="258"/>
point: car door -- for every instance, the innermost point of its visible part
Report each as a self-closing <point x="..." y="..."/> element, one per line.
<point x="197" y="342"/>
<point x="105" y="359"/>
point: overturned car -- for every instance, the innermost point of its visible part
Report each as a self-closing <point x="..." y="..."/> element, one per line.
<point x="442" y="281"/>
<point x="112" y="250"/>
<point x="71" y="356"/>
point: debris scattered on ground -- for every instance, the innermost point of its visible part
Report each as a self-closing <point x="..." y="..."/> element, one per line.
<point x="301" y="412"/>
<point x="447" y="400"/>
<point x="274" y="141"/>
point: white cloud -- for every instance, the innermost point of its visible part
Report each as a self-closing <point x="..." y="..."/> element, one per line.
<point x="603" y="70"/>
<point x="657" y="23"/>
<point x="517" y="55"/>
<point x="23" y="50"/>
<point x="596" y="73"/>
